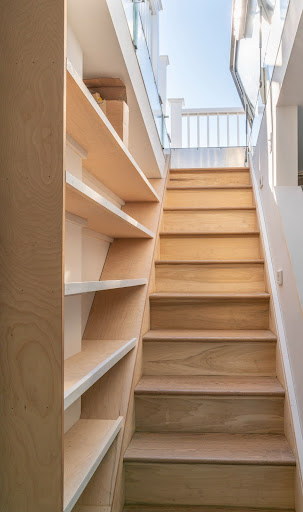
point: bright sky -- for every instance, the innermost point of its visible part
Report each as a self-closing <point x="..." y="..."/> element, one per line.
<point x="195" y="34"/>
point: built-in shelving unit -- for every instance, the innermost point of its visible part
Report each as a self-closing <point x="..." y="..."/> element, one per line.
<point x="98" y="286"/>
<point x="108" y="158"/>
<point x="82" y="370"/>
<point x="102" y="216"/>
<point x="102" y="242"/>
<point x="85" y="445"/>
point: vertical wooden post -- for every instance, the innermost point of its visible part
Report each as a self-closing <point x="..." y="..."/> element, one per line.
<point x="32" y="78"/>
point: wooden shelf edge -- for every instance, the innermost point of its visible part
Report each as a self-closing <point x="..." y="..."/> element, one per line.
<point x="103" y="440"/>
<point x="120" y="146"/>
<point x="76" y="288"/>
<point x="92" y="196"/>
<point x="100" y="369"/>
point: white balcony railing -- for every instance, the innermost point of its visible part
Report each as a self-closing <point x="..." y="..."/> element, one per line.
<point x="206" y="127"/>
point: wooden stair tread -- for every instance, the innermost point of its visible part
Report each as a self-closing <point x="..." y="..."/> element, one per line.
<point x="210" y="187"/>
<point x="209" y="335"/>
<point x="209" y="297"/>
<point x="210" y="169"/>
<point x="198" y="508"/>
<point x="209" y="262"/>
<point x="189" y="234"/>
<point x="265" y="449"/>
<point x="206" y="208"/>
<point x="208" y="385"/>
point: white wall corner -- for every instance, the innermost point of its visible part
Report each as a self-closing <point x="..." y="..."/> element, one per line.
<point x="287" y="145"/>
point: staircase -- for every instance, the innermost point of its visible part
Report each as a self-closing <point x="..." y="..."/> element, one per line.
<point x="209" y="408"/>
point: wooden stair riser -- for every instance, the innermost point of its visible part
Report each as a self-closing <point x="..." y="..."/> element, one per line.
<point x="208" y="247"/>
<point x="196" y="508"/>
<point x="210" y="278"/>
<point x="213" y="198"/>
<point x="208" y="178"/>
<point x="210" y="220"/>
<point x="170" y="314"/>
<point x="210" y="484"/>
<point x="209" y="358"/>
<point x="205" y="413"/>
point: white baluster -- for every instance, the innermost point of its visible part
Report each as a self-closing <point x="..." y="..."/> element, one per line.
<point x="188" y="131"/>
<point x="218" y="130"/>
<point x="207" y="118"/>
<point x="227" y="120"/>
<point x="238" y="131"/>
<point x="198" y="131"/>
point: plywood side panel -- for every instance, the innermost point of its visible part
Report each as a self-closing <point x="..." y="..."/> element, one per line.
<point x="32" y="151"/>
<point x="111" y="314"/>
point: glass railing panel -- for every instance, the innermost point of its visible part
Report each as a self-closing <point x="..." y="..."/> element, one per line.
<point x="135" y="24"/>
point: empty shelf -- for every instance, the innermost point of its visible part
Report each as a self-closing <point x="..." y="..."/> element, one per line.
<point x="108" y="158"/>
<point x="82" y="370"/>
<point x="98" y="286"/>
<point x="85" y="445"/>
<point x="102" y="216"/>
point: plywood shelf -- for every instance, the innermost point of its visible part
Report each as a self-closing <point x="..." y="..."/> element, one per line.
<point x="82" y="370"/>
<point x="98" y="286"/>
<point x="108" y="158"/>
<point x="102" y="216"/>
<point x="85" y="445"/>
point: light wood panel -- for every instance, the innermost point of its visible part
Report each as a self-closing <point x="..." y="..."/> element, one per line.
<point x="108" y="158"/>
<point x="176" y="276"/>
<point x="209" y="177"/>
<point x="82" y="370"/>
<point x="209" y="358"/>
<point x="102" y="216"/>
<point x="216" y="448"/>
<point x="31" y="206"/>
<point x="209" y="197"/>
<point x="85" y="445"/>
<point x="194" y="220"/>
<point x="210" y="247"/>
<point x="198" y="311"/>
<point x="193" y="413"/>
<point x="210" y="484"/>
<point x="118" y="315"/>
<point x="97" y="286"/>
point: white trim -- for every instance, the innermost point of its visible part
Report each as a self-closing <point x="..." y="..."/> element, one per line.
<point x="76" y="288"/>
<point x="93" y="234"/>
<point x="280" y="324"/>
<point x="75" y="219"/>
<point x="73" y="144"/>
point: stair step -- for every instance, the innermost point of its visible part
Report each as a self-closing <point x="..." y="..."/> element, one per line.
<point x="209" y="196"/>
<point x="267" y="449"/>
<point x="192" y="353"/>
<point x="209" y="385"/>
<point x="210" y="470"/>
<point x="209" y="404"/>
<point x="212" y="219"/>
<point x="204" y="177"/>
<point x="210" y="276"/>
<point x="210" y="335"/>
<point x="182" y="508"/>
<point x="210" y="246"/>
<point x="209" y="310"/>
